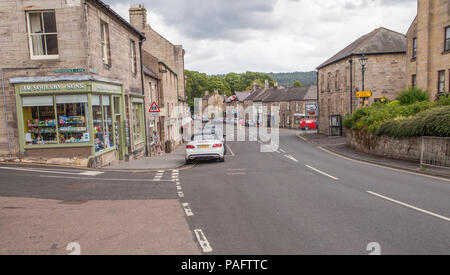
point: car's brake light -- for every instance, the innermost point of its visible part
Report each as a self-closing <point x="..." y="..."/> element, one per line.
<point x="217" y="145"/>
<point x="190" y="146"/>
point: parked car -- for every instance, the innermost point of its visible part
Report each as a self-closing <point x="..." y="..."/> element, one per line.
<point x="205" y="147"/>
<point x="308" y="124"/>
<point x="215" y="130"/>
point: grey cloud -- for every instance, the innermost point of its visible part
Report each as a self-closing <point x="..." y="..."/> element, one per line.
<point x="212" y="19"/>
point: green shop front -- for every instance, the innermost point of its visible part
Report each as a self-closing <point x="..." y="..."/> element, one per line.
<point x="67" y="119"/>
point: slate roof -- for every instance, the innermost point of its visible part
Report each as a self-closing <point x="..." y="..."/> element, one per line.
<point x="299" y="93"/>
<point x="241" y="96"/>
<point x="255" y="93"/>
<point x="149" y="72"/>
<point x="379" y="41"/>
<point x="272" y="94"/>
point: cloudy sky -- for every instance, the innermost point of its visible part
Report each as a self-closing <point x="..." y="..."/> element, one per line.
<point x="222" y="36"/>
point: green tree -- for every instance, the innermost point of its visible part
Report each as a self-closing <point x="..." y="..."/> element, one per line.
<point x="297" y="83"/>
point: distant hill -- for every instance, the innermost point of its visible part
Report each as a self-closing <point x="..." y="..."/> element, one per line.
<point x="287" y="79"/>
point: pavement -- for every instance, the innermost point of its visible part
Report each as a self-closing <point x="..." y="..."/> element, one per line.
<point x="174" y="160"/>
<point x="43" y="209"/>
<point x="340" y="146"/>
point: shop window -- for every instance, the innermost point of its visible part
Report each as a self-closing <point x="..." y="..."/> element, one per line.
<point x="72" y="118"/>
<point x="42" y="34"/>
<point x="102" y="121"/>
<point x="138" y="125"/>
<point x="39" y="120"/>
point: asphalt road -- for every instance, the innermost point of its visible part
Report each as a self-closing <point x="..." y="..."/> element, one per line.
<point x="297" y="200"/>
<point x="302" y="200"/>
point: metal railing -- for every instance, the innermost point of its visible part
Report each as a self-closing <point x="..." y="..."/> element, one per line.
<point x="435" y="151"/>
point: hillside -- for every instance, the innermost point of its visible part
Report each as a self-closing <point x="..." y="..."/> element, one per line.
<point x="287" y="79"/>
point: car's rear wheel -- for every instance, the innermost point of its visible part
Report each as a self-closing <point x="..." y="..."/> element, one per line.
<point x="221" y="159"/>
<point x="188" y="161"/>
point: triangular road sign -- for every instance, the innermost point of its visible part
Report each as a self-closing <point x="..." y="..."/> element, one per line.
<point x="154" y="108"/>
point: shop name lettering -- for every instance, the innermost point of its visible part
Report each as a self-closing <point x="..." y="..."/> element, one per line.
<point x="53" y="87"/>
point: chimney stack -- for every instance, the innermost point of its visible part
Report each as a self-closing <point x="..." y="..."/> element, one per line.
<point x="216" y="92"/>
<point x="138" y="16"/>
<point x="266" y="84"/>
<point x="206" y="93"/>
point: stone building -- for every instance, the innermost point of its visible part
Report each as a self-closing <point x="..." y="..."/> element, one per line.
<point x="235" y="105"/>
<point x="428" y="44"/>
<point x="297" y="103"/>
<point x="171" y="73"/>
<point x="340" y="77"/>
<point x="72" y="83"/>
<point x="213" y="104"/>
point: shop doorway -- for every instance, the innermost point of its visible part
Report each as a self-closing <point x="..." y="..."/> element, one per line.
<point x="118" y="128"/>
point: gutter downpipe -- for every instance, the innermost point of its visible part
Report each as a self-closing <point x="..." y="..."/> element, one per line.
<point x="6" y="112"/>
<point x="351" y="85"/>
<point x="317" y="99"/>
<point x="143" y="93"/>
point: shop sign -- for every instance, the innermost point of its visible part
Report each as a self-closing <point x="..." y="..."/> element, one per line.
<point x="102" y="87"/>
<point x="53" y="87"/>
<point x="311" y="109"/>
<point x="65" y="71"/>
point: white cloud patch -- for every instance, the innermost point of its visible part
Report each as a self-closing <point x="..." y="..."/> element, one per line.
<point x="221" y="36"/>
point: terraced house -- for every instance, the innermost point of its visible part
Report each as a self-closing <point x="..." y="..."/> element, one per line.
<point x="72" y="83"/>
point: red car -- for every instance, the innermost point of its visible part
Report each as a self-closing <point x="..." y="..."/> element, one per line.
<point x="308" y="124"/>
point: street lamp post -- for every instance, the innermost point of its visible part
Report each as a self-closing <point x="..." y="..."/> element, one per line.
<point x="363" y="62"/>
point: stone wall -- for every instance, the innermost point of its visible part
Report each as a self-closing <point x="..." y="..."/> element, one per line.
<point x="384" y="146"/>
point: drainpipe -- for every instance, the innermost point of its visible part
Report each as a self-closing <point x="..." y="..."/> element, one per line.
<point x="6" y="112"/>
<point x="317" y="100"/>
<point x="143" y="93"/>
<point x="351" y="85"/>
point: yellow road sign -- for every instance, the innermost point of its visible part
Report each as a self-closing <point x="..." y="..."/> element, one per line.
<point x="364" y="94"/>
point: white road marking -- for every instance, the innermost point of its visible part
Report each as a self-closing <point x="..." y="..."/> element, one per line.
<point x="230" y="151"/>
<point x="236" y="174"/>
<point x="409" y="206"/>
<point x="381" y="166"/>
<point x="323" y="173"/>
<point x="237" y="169"/>
<point x="188" y="210"/>
<point x="204" y="244"/>
<point x="101" y="179"/>
<point x="52" y="172"/>
<point x="91" y="173"/>
<point x="178" y="187"/>
<point x="291" y="158"/>
<point x="181" y="194"/>
<point x="161" y="171"/>
<point x="282" y="150"/>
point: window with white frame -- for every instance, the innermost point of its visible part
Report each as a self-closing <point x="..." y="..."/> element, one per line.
<point x="42" y="34"/>
<point x="133" y="56"/>
<point x="104" y="29"/>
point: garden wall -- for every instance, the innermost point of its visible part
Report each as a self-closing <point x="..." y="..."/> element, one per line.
<point x="385" y="146"/>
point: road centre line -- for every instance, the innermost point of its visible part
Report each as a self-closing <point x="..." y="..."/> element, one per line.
<point x="323" y="173"/>
<point x="201" y="238"/>
<point x="291" y="158"/>
<point x="102" y="179"/>
<point x="409" y="206"/>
